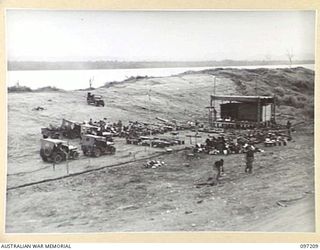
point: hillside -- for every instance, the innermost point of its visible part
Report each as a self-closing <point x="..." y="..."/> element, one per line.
<point x="114" y="193"/>
<point x="292" y="87"/>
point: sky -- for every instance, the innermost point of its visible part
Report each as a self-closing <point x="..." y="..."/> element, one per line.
<point x="159" y="35"/>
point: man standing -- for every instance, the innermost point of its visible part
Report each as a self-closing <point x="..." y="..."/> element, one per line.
<point x="289" y="129"/>
<point x="249" y="159"/>
<point x="218" y="166"/>
<point x="214" y="114"/>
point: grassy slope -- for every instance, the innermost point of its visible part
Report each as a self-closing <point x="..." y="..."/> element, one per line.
<point x="293" y="87"/>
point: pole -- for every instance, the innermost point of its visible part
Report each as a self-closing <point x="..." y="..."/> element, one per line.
<point x="90" y="82"/>
<point x="68" y="164"/>
<point x="258" y="112"/>
<point x="214" y="91"/>
<point x="256" y="88"/>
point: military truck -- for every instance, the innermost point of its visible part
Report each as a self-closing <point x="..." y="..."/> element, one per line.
<point x="93" y="145"/>
<point x="89" y="129"/>
<point x="95" y="100"/>
<point x="51" y="132"/>
<point x="70" y="129"/>
<point x="55" y="150"/>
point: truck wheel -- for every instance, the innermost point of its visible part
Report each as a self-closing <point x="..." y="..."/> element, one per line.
<point x="103" y="150"/>
<point x="41" y="153"/>
<point x="57" y="158"/>
<point x="75" y="155"/>
<point x="97" y="152"/>
<point x="47" y="151"/>
<point x="44" y="158"/>
<point x="113" y="150"/>
<point x="74" y="135"/>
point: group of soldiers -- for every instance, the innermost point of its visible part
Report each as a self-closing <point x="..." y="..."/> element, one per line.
<point x="249" y="157"/>
<point x="218" y="166"/>
<point x="220" y="144"/>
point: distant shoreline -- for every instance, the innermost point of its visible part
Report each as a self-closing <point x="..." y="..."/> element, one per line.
<point x="90" y="65"/>
<point x="213" y="71"/>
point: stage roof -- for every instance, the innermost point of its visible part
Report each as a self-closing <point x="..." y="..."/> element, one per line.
<point x="238" y="98"/>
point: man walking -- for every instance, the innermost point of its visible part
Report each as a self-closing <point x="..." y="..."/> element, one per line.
<point x="249" y="159"/>
<point x="218" y="166"/>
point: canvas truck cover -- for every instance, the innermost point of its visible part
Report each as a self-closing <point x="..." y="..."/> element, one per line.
<point x="68" y="124"/>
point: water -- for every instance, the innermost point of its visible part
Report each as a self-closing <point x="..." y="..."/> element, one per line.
<point x="78" y="79"/>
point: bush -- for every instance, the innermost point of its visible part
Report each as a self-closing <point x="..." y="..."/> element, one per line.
<point x="302" y="98"/>
<point x="302" y="85"/>
<point x="47" y="88"/>
<point x="19" y="89"/>
<point x="279" y="91"/>
<point x="293" y="101"/>
<point x="309" y="111"/>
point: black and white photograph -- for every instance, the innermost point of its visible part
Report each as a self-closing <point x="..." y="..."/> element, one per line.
<point x="160" y="121"/>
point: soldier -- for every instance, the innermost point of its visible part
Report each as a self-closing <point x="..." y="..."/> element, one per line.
<point x="218" y="165"/>
<point x="249" y="159"/>
<point x="289" y="128"/>
<point x="119" y="126"/>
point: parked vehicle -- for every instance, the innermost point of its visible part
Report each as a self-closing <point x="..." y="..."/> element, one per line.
<point x="71" y="129"/>
<point x="88" y="129"/>
<point x="133" y="140"/>
<point x="68" y="129"/>
<point x="96" y="146"/>
<point x="51" y="132"/>
<point x="95" y="100"/>
<point x="54" y="150"/>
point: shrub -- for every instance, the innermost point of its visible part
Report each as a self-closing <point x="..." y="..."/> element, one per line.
<point x="302" y="98"/>
<point x="279" y="91"/>
<point x="309" y="111"/>
<point x="47" y="88"/>
<point x="292" y="101"/>
<point x="19" y="89"/>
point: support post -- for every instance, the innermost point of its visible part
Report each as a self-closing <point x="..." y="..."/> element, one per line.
<point x="210" y="113"/>
<point x="273" y="110"/>
<point x="259" y="112"/>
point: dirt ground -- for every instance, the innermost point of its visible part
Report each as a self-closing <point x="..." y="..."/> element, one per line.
<point x="117" y="194"/>
<point x="132" y="198"/>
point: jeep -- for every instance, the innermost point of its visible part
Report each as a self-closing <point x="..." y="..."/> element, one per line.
<point x="54" y="150"/>
<point x="93" y="145"/>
